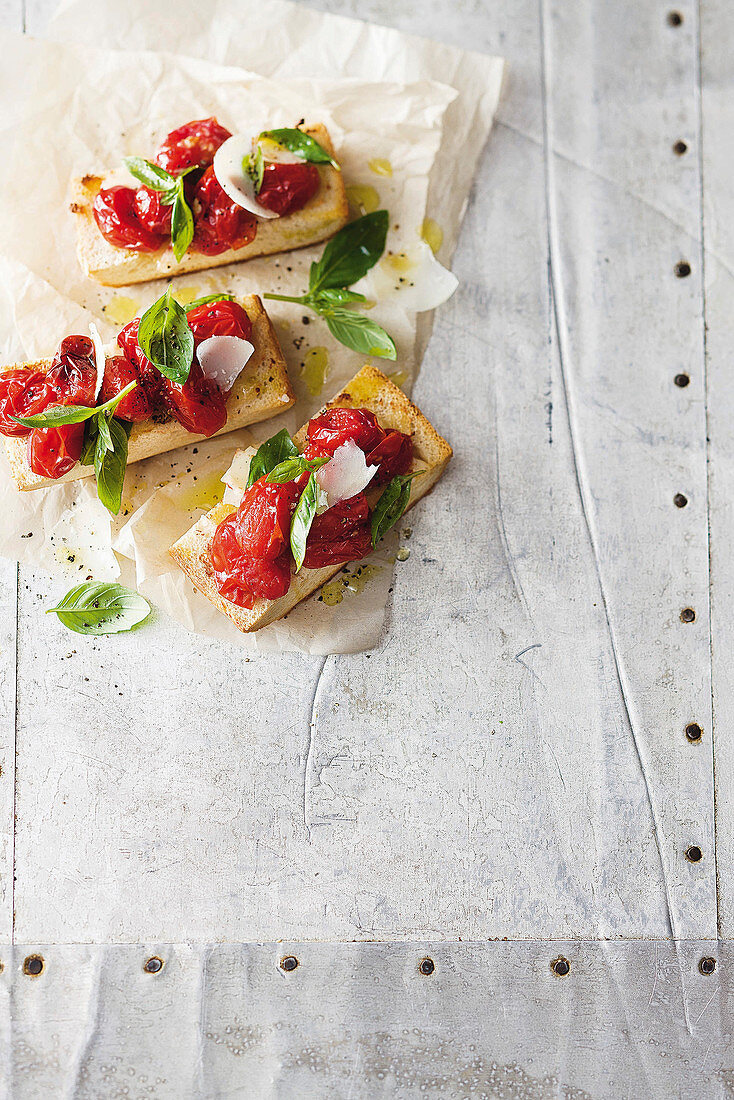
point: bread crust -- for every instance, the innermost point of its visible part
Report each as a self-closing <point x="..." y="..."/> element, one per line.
<point x="319" y="219"/>
<point x="369" y="389"/>
<point x="262" y="390"/>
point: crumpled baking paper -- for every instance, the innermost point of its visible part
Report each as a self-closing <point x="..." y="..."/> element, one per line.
<point x="74" y="108"/>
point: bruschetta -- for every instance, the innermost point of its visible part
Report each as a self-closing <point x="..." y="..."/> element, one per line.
<point x="65" y="418"/>
<point x="366" y="457"/>
<point x="209" y="198"/>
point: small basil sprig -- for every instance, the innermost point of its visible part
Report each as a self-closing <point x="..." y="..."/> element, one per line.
<point x="347" y="257"/>
<point x="208" y="298"/>
<point x="270" y="454"/>
<point x="292" y="468"/>
<point x="171" y="189"/>
<point x="166" y="339"/>
<point x="390" y="506"/>
<point x="303" y="517"/>
<point x="57" y="415"/>
<point x="97" y="608"/>
<point x="303" y="145"/>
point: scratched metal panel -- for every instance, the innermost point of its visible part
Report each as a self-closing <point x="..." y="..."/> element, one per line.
<point x="717" y="33"/>
<point x="502" y="764"/>
<point x="361" y="1021"/>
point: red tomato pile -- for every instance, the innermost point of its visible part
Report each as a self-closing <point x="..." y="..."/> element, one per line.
<point x="199" y="405"/>
<point x="250" y="550"/>
<point x="138" y="221"/>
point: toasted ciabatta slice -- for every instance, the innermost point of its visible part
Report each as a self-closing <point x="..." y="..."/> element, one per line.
<point x="370" y="389"/>
<point x="320" y="218"/>
<point x="261" y="391"/>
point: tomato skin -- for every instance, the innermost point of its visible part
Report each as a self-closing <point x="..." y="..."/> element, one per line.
<point x="151" y="213"/>
<point x="193" y="143"/>
<point x="151" y="379"/>
<point x="73" y="372"/>
<point x="117" y="220"/>
<point x="53" y="452"/>
<point x="219" y="223"/>
<point x="288" y="187"/>
<point x="239" y="578"/>
<point x="223" y="318"/>
<point x="118" y="373"/>
<point x="336" y="426"/>
<point x="393" y="455"/>
<point x="264" y="518"/>
<point x="23" y="392"/>
<point x="199" y="405"/>
<point x="340" y="535"/>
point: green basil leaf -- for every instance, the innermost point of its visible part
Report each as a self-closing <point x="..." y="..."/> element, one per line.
<point x="104" y="440"/>
<point x="166" y="339"/>
<point x="157" y="179"/>
<point x="253" y="165"/>
<point x="273" y="451"/>
<point x="182" y="224"/>
<point x="390" y="506"/>
<point x="292" y="468"/>
<point x="351" y="253"/>
<point x="209" y="298"/>
<point x="303" y="145"/>
<point x="360" y="333"/>
<point x="303" y="517"/>
<point x="90" y="442"/>
<point x="95" y="608"/>
<point x="109" y="465"/>
<point x="335" y="296"/>
<point x="56" y="415"/>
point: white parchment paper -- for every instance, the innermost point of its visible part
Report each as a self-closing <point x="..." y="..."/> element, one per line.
<point x="74" y="108"/>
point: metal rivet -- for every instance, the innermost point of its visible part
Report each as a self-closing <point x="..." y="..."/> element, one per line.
<point x="674" y="18"/>
<point x="680" y="148"/>
<point x="694" y="854"/>
<point x="682" y="269"/>
<point x="33" y="965"/>
<point x="679" y="500"/>
<point x="153" y="965"/>
<point x="560" y="966"/>
<point x="290" y="962"/>
<point x="694" y="731"/>
<point x="681" y="380"/>
<point x="707" y="964"/>
<point x="427" y="966"/>
<point x="687" y="615"/>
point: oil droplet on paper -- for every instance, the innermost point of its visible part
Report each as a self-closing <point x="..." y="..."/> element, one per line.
<point x="205" y="492"/>
<point x="403" y="553"/>
<point x="315" y="370"/>
<point x="432" y="234"/>
<point x="186" y="294"/>
<point x="380" y="166"/>
<point x="357" y="581"/>
<point x="120" y="309"/>
<point x="363" y="198"/>
<point x="399" y="377"/>
<point x="400" y="262"/>
<point x="333" y="592"/>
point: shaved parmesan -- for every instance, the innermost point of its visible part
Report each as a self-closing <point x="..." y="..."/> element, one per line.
<point x="232" y="178"/>
<point x="345" y="475"/>
<point x="223" y="358"/>
<point x="235" y="478"/>
<point x="99" y="357"/>
<point x="412" y="279"/>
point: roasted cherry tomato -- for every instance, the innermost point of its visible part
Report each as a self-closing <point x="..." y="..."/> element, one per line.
<point x="393" y="455"/>
<point x="52" y="452"/>
<point x="223" y="318"/>
<point x="288" y="187"/>
<point x="151" y="213"/>
<point x="264" y="518"/>
<point x="150" y="379"/>
<point x="199" y="405"/>
<point x="22" y="393"/>
<point x="116" y="216"/>
<point x="219" y="223"/>
<point x="193" y="143"/>
<point x="240" y="578"/>
<point x="342" y="534"/>
<point x="73" y="372"/>
<point x="118" y="373"/>
<point x="336" y="426"/>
